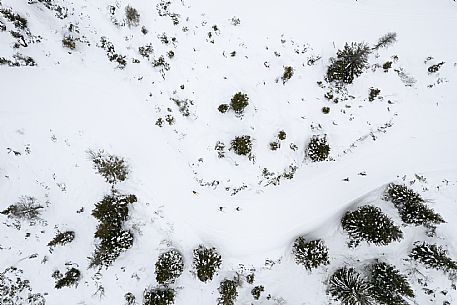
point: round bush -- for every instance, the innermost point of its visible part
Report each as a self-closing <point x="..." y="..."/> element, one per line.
<point x="311" y="254"/>
<point x="159" y="296"/>
<point x="239" y="102"/>
<point x="347" y="286"/>
<point x="241" y="145"/>
<point x="169" y="267"/>
<point x="318" y="149"/>
<point x="206" y="262"/>
<point x="227" y="292"/>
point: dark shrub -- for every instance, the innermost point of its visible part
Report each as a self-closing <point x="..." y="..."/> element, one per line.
<point x="62" y="238"/>
<point x="288" y="73"/>
<point x="26" y="208"/>
<point x="373" y="93"/>
<point x="169" y="267"/>
<point x="159" y="296"/>
<point x="282" y="135"/>
<point x="411" y="206"/>
<point x="318" y="149"/>
<point x="69" y="42"/>
<point x="256" y="291"/>
<point x="111" y="167"/>
<point x="326" y="110"/>
<point x="370" y="224"/>
<point x="132" y="15"/>
<point x="433" y="256"/>
<point x="71" y="277"/>
<point x="239" y="102"/>
<point x="130" y="298"/>
<point x="310" y="254"/>
<point x="386" y="40"/>
<point x="389" y="286"/>
<point x="241" y="145"/>
<point x="19" y="21"/>
<point x="274" y="145"/>
<point x="227" y="292"/>
<point x="206" y="262"/>
<point x="347" y="286"/>
<point x="349" y="63"/>
<point x="223" y="108"/>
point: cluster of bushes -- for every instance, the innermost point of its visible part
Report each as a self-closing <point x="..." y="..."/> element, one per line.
<point x="111" y="167"/>
<point x="318" y="149"/>
<point x="277" y="143"/>
<point x="111" y="53"/>
<point x="132" y="16"/>
<point x="368" y="223"/>
<point x="207" y="262"/>
<point x="16" y="290"/>
<point x="18" y="60"/>
<point x="238" y="103"/>
<point x="310" y="254"/>
<point x="159" y="296"/>
<point x="411" y="206"/>
<point x="71" y="277"/>
<point x="18" y="21"/>
<point x="62" y="238"/>
<point x="433" y="256"/>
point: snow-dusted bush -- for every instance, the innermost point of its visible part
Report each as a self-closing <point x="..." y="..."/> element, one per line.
<point x="349" y="63"/>
<point x="206" y="262"/>
<point x="411" y="206"/>
<point x="112" y="211"/>
<point x="347" y="286"/>
<point x="71" y="277"/>
<point x="386" y="40"/>
<point x="287" y="74"/>
<point x="169" y="267"/>
<point x="433" y="256"/>
<point x="368" y="223"/>
<point x="310" y="254"/>
<point x="389" y="286"/>
<point x="282" y="135"/>
<point x="373" y="93"/>
<point x="256" y="291"/>
<point x="132" y="16"/>
<point x="318" y="148"/>
<point x="111" y="167"/>
<point x="238" y="102"/>
<point x="241" y="145"/>
<point x="19" y="21"/>
<point x="26" y="208"/>
<point x="69" y="42"/>
<point x="14" y="290"/>
<point x="130" y="298"/>
<point x="62" y="238"/>
<point x="227" y="292"/>
<point x="223" y="108"/>
<point x="159" y="296"/>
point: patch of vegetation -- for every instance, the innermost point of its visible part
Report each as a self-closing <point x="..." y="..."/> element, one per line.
<point x="69" y="42"/>
<point x="349" y="63"/>
<point x="18" y="21"/>
<point x="62" y="238"/>
<point x="220" y="148"/>
<point x="275" y="145"/>
<point x="310" y="254"/>
<point x="387" y="65"/>
<point x="26" y="208"/>
<point x="435" y="68"/>
<point x="389" y="286"/>
<point x="183" y="106"/>
<point x="288" y="73"/>
<point x="18" y="60"/>
<point x="146" y="50"/>
<point x="132" y="16"/>
<point x="241" y="145"/>
<point x="112" y="211"/>
<point x="347" y="286"/>
<point x="206" y="262"/>
<point x="130" y="298"/>
<point x="256" y="291"/>
<point x="385" y="41"/>
<point x="411" y="206"/>
<point x="325" y="110"/>
<point x="250" y="278"/>
<point x="169" y="267"/>
<point x="223" y="108"/>
<point x="159" y="296"/>
<point x="14" y="290"/>
<point x="368" y="223"/>
<point x="282" y="135"/>
<point x="111" y="167"/>
<point x="318" y="148"/>
<point x="373" y="93"/>
<point x="239" y="102"/>
<point x="111" y="53"/>
<point x="433" y="256"/>
<point x="227" y="292"/>
<point x="71" y="277"/>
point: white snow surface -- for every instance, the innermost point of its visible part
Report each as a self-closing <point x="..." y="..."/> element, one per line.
<point x="76" y="100"/>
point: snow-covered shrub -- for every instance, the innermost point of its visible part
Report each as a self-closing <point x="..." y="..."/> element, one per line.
<point x="71" y="277"/>
<point x="325" y="110"/>
<point x="62" y="238"/>
<point x="241" y="145"/>
<point x="206" y="262"/>
<point x="159" y="296"/>
<point x="256" y="291"/>
<point x="349" y="63"/>
<point x="389" y="286"/>
<point x="129" y="298"/>
<point x="368" y="223"/>
<point x="14" y="290"/>
<point x="347" y="286"/>
<point x="387" y="65"/>
<point x="318" y="148"/>
<point x="111" y="167"/>
<point x="19" y="21"/>
<point x="386" y="40"/>
<point x="282" y="135"/>
<point x="132" y="16"/>
<point x="69" y="42"/>
<point x="275" y="145"/>
<point x="223" y="108"/>
<point x="310" y="254"/>
<point x="112" y="211"/>
<point x="411" y="206"/>
<point x="220" y="148"/>
<point x="435" y="68"/>
<point x="287" y="74"/>
<point x="183" y="106"/>
<point x="26" y="208"/>
<point x="238" y="102"/>
<point x="169" y="267"/>
<point x="433" y="256"/>
<point x="373" y="93"/>
<point x="227" y="292"/>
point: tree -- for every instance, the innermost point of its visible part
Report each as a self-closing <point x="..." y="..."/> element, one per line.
<point x="349" y="63"/>
<point x="169" y="267"/>
<point x="159" y="296"/>
<point x="241" y="145"/>
<point x="369" y="223"/>
<point x="310" y="254"/>
<point x="433" y="256"/>
<point x="227" y="292"/>
<point x="239" y="102"/>
<point x="318" y="148"/>
<point x="347" y="286"/>
<point x="206" y="261"/>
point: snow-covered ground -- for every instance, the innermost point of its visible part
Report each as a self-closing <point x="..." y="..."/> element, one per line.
<point x="51" y="114"/>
